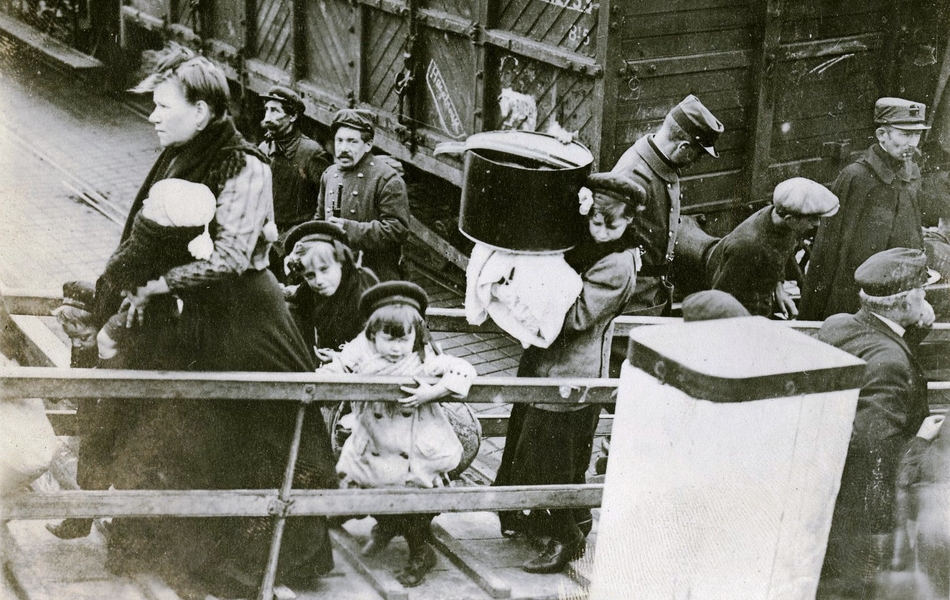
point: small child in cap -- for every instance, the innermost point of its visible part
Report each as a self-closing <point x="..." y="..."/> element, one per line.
<point x="409" y="443"/>
<point x="76" y="318"/>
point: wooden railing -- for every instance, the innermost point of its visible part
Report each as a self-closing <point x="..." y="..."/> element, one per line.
<point x="307" y="389"/>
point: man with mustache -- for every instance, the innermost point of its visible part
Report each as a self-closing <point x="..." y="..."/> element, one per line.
<point x="296" y="161"/>
<point x="879" y="210"/>
<point x="365" y="196"/>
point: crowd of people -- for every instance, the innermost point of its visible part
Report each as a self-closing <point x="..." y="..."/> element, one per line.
<point x="295" y="266"/>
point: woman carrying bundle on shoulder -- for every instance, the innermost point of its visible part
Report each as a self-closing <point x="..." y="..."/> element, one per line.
<point x="549" y="444"/>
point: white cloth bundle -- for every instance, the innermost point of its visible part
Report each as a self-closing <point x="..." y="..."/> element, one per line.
<point x="180" y="203"/>
<point x="533" y="294"/>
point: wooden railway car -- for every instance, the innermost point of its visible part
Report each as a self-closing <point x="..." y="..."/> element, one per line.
<point x="794" y="81"/>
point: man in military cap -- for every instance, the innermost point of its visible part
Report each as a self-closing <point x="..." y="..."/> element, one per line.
<point x="891" y="407"/>
<point x="688" y="133"/>
<point x="365" y="196"/>
<point x="750" y="262"/>
<point x="297" y="162"/>
<point x="879" y="210"/>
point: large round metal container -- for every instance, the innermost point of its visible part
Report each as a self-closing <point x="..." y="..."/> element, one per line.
<point x="520" y="191"/>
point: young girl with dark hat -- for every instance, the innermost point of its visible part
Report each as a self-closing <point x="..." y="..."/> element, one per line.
<point x="333" y="282"/>
<point x="551" y="443"/>
<point x="409" y="443"/>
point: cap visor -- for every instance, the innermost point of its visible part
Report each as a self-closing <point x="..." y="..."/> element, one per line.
<point x="831" y="212"/>
<point x="909" y="126"/>
<point x="711" y="151"/>
<point x="932" y="277"/>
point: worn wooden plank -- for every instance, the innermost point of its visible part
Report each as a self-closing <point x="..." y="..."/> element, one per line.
<point x="382" y="581"/>
<point x="260" y="503"/>
<point x="764" y="91"/>
<point x="570" y="24"/>
<point x="30" y="382"/>
<point x="469" y="563"/>
<point x="45" y="348"/>
<point x="47" y="44"/>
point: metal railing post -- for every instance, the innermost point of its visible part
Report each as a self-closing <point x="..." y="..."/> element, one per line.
<point x="282" y="506"/>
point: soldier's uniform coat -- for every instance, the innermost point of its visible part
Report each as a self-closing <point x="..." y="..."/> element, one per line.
<point x="376" y="209"/>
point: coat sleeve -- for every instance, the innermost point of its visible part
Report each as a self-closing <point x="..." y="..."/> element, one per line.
<point x="457" y="374"/>
<point x="607" y="287"/>
<point x="244" y="206"/>
<point x="392" y="225"/>
<point x="321" y="198"/>
<point x="888" y="401"/>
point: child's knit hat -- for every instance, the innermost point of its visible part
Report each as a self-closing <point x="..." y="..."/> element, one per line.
<point x="180" y="203"/>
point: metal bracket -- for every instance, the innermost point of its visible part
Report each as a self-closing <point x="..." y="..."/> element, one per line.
<point x="279" y="508"/>
<point x="307" y="396"/>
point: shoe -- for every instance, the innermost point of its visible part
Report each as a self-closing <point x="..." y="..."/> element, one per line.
<point x="71" y="529"/>
<point x="555" y="557"/>
<point x="378" y="541"/>
<point x="420" y="563"/>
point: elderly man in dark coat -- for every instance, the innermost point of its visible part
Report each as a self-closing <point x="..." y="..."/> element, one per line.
<point x="750" y="261"/>
<point x="296" y="161"/>
<point x="879" y="210"/>
<point x="891" y="407"/>
<point x="365" y="196"/>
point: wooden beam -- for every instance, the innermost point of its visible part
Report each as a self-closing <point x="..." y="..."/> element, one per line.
<point x="33" y="382"/>
<point x="261" y="503"/>
<point x="432" y="239"/>
<point x="469" y="563"/>
<point x="763" y="86"/>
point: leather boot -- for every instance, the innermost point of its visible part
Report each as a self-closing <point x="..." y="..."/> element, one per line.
<point x="378" y="541"/>
<point x="555" y="556"/>
<point x="70" y="529"/>
<point x="422" y="559"/>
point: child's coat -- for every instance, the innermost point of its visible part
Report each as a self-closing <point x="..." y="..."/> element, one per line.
<point x="392" y="445"/>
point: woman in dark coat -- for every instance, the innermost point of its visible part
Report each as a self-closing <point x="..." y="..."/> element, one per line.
<point x="551" y="444"/>
<point x="323" y="306"/>
<point x="233" y="318"/>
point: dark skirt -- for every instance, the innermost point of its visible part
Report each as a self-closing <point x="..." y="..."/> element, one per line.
<point x="239" y="325"/>
<point x="548" y="448"/>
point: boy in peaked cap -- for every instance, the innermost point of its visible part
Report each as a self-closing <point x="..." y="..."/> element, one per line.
<point x="880" y="210"/>
<point x="751" y="261"/>
<point x="365" y="195"/>
<point x="892" y="406"/>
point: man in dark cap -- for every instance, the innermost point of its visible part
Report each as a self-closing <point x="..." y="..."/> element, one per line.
<point x="688" y="133"/>
<point x="879" y="210"/>
<point x="750" y="262"/>
<point x="297" y="162"/>
<point x="365" y="196"/>
<point x="891" y="407"/>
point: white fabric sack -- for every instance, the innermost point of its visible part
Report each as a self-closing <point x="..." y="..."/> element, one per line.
<point x="533" y="295"/>
<point x="27" y="443"/>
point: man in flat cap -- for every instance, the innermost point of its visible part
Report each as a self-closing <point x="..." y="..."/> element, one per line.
<point x="879" y="210"/>
<point x="365" y="196"/>
<point x="891" y="407"/>
<point x="297" y="162"/>
<point x="688" y="133"/>
<point x="750" y="262"/>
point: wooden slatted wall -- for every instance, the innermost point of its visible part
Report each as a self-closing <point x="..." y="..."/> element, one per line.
<point x="274" y="22"/>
